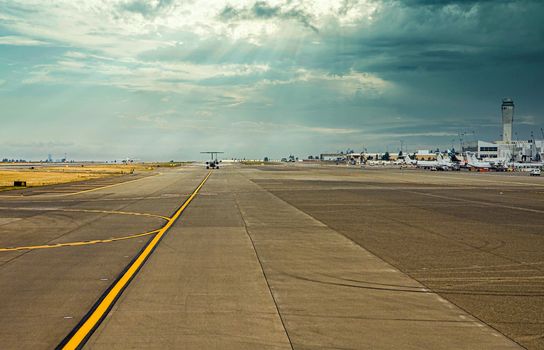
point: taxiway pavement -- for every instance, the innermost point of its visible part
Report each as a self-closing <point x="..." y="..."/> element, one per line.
<point x="259" y="259"/>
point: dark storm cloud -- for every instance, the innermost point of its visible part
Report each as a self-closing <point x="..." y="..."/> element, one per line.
<point x="452" y="60"/>
<point x="440" y="39"/>
<point x="437" y="56"/>
<point x="263" y="11"/>
<point x="400" y="38"/>
<point x="450" y="2"/>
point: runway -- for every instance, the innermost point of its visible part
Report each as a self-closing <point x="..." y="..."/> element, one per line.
<point x="249" y="258"/>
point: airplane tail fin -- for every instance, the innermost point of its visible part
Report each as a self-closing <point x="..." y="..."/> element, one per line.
<point x="470" y="157"/>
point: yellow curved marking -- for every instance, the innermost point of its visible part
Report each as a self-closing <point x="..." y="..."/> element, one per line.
<point x="79" y="337"/>
<point x="74" y="244"/>
<point x="90" y="211"/>
<point x="116" y="212"/>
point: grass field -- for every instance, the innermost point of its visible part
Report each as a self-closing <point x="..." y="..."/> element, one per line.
<point x="51" y="175"/>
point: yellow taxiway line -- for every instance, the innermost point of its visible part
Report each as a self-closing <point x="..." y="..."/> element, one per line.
<point x="77" y="338"/>
<point x="75" y="244"/>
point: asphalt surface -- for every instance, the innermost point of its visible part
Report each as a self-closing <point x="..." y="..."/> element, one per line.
<point x="45" y="292"/>
<point x="476" y="239"/>
<point x="277" y="258"/>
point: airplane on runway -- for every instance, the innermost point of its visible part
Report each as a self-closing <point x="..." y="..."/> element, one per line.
<point x="214" y="162"/>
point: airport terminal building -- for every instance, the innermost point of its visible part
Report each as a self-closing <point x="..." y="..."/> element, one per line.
<point x="519" y="151"/>
<point x="507" y="149"/>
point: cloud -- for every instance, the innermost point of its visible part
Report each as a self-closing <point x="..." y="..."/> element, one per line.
<point x="267" y="127"/>
<point x="448" y="2"/>
<point x="146" y="8"/>
<point x="261" y="10"/>
<point x="40" y="144"/>
<point x="216" y="84"/>
<point x="527" y="120"/>
<point x="404" y="38"/>
<point x="15" y="40"/>
<point x="304" y="72"/>
<point x="332" y="131"/>
<point x="121" y="27"/>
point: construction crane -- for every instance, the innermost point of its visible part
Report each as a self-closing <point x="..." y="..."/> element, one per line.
<point x="461" y="136"/>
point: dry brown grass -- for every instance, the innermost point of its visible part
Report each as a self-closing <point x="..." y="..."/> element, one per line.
<point x="57" y="174"/>
<point x="41" y="176"/>
<point x="258" y="162"/>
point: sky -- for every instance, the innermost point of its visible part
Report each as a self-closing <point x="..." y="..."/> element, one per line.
<point x="166" y="79"/>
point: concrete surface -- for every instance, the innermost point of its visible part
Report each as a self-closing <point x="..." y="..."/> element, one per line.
<point x="476" y="239"/>
<point x="295" y="258"/>
<point x="46" y="292"/>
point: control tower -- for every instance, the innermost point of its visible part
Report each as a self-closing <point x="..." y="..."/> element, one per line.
<point x="507" y="119"/>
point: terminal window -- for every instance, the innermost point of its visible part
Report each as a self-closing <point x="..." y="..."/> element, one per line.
<point x="488" y="149"/>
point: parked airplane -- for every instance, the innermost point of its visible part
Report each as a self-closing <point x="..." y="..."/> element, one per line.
<point x="400" y="161"/>
<point x="409" y="161"/>
<point x="441" y="163"/>
<point x="376" y="162"/>
<point x="473" y="162"/>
